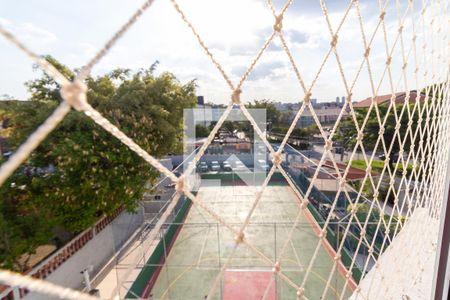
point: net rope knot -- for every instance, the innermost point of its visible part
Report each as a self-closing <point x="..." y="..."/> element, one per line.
<point x="236" y="96"/>
<point x="360" y="137"/>
<point x="276" y="267"/>
<point x="349" y="98"/>
<point x="389" y="60"/>
<point x="304" y="204"/>
<point x="278" y="23"/>
<point x="240" y="238"/>
<point x="328" y="145"/>
<point x="334" y="41"/>
<point x="322" y="234"/>
<point x="180" y="185"/>
<point x="300" y="293"/>
<point x="276" y="160"/>
<point x="74" y="94"/>
<point x="307" y="98"/>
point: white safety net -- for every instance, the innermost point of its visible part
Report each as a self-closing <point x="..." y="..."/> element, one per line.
<point x="416" y="58"/>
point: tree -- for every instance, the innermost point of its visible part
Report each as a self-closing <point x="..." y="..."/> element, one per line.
<point x="45" y="88"/>
<point x="6" y="97"/>
<point x="273" y="115"/>
<point x="201" y="131"/>
<point x="286" y="117"/>
<point x="228" y="125"/>
<point x="80" y="171"/>
<point x="346" y="132"/>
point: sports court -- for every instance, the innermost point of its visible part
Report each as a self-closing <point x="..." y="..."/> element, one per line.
<point x="202" y="246"/>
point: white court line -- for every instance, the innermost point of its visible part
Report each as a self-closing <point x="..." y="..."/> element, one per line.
<point x="203" y="246"/>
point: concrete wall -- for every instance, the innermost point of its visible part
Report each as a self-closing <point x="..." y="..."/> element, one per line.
<point x="96" y="252"/>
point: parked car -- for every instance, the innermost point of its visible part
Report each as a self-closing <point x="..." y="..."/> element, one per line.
<point x="215" y="165"/>
<point x="338" y="150"/>
<point x="203" y="167"/>
<point x="276" y="147"/>
<point x="227" y="167"/>
<point x="240" y="166"/>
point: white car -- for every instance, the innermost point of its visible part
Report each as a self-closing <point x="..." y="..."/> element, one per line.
<point x="240" y="166"/>
<point x="215" y="166"/>
<point x="203" y="167"/>
<point x="227" y="167"/>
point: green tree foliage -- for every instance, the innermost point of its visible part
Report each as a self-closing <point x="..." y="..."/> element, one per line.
<point x="228" y="125"/>
<point x="201" y="131"/>
<point x="80" y="171"/>
<point x="273" y="115"/>
<point x="45" y="88"/>
<point x="372" y="219"/>
<point x="346" y="133"/>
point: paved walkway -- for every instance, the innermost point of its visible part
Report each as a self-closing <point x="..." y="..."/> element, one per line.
<point x="126" y="270"/>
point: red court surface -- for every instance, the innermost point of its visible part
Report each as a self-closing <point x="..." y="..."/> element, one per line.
<point x="249" y="285"/>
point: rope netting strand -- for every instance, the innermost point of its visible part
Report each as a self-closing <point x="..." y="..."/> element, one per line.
<point x="41" y="286"/>
<point x="428" y="144"/>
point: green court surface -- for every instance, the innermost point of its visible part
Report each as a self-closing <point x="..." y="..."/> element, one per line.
<point x="203" y="246"/>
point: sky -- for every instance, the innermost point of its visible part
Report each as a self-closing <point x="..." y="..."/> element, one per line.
<point x="234" y="31"/>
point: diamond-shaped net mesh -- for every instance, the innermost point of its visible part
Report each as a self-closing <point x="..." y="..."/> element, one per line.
<point x="418" y="55"/>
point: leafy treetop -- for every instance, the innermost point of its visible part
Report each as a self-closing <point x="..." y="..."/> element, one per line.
<point x="80" y="171"/>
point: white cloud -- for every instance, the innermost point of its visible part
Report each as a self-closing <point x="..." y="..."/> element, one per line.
<point x="28" y="31"/>
<point x="233" y="30"/>
<point x="4" y="22"/>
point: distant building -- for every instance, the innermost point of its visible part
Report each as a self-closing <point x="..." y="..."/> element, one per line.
<point x="399" y="98"/>
<point x="205" y="113"/>
<point x="200" y="101"/>
<point x="325" y="114"/>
